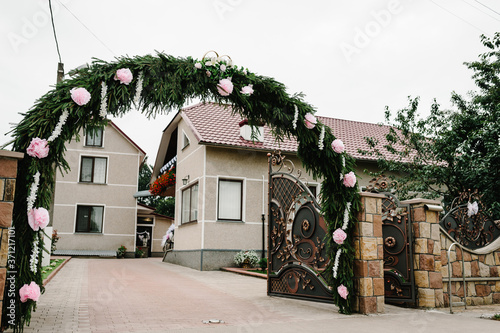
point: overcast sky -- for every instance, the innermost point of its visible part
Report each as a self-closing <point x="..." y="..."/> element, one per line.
<point x="350" y="58"/>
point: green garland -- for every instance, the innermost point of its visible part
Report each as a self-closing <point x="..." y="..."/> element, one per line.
<point x="167" y="83"/>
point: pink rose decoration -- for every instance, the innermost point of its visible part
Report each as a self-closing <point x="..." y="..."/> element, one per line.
<point x="222" y="67"/>
<point x="31" y="291"/>
<point x="350" y="179"/>
<point x="310" y="121"/>
<point x="38" y="218"/>
<point x="124" y="75"/>
<point x="338" y="146"/>
<point x="225" y="87"/>
<point x="339" y="236"/>
<point x="197" y="65"/>
<point x="247" y="90"/>
<point x="38" y="148"/>
<point x="80" y="96"/>
<point x="342" y="290"/>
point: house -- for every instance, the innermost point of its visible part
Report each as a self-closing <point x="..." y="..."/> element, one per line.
<point x="95" y="211"/>
<point x="221" y="202"/>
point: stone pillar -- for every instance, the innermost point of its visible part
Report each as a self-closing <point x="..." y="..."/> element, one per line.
<point x="8" y="175"/>
<point x="427" y="252"/>
<point x="369" y="256"/>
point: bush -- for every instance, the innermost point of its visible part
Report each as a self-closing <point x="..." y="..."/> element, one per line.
<point x="249" y="258"/>
<point x="263" y="264"/>
<point x="120" y="253"/>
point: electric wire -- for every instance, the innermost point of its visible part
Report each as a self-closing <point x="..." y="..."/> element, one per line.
<point x="443" y="8"/>
<point x="83" y="24"/>
<point x="54" y="30"/>
<point x="482" y="4"/>
<point x="493" y="17"/>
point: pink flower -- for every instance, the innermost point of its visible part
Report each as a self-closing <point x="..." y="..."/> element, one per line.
<point x="338" y="146"/>
<point x="339" y="236"/>
<point x="124" y="75"/>
<point x="225" y="87"/>
<point x="38" y="148"/>
<point x="342" y="290"/>
<point x="80" y="96"/>
<point x="222" y="67"/>
<point x="208" y="73"/>
<point x="310" y="121"/>
<point x="38" y="218"/>
<point x="350" y="179"/>
<point x="31" y="291"/>
<point x="247" y="90"/>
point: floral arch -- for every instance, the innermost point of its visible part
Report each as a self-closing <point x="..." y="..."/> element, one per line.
<point x="155" y="84"/>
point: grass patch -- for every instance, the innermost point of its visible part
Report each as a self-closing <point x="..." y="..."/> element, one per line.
<point x="257" y="271"/>
<point x="496" y="317"/>
<point x="54" y="263"/>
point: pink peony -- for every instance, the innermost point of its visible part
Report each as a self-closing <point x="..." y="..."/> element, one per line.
<point x="124" y="75"/>
<point x="38" y="218"/>
<point x="197" y="65"/>
<point x="247" y="90"/>
<point x="225" y="87"/>
<point x="342" y="290"/>
<point x="338" y="146"/>
<point x="31" y="291"/>
<point x="310" y="121"/>
<point x="350" y="179"/>
<point x="80" y="96"/>
<point x="339" y="236"/>
<point x="38" y="148"/>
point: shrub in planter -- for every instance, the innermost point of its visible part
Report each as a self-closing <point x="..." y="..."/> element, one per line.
<point x="246" y="259"/>
<point x="120" y="253"/>
<point x="139" y="253"/>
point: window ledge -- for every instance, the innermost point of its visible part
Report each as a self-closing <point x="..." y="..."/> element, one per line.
<point x="188" y="223"/>
<point x="88" y="233"/>
<point x="97" y="147"/>
<point x="90" y="183"/>
<point x="231" y="221"/>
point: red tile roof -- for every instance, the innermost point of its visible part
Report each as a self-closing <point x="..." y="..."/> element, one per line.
<point x="214" y="124"/>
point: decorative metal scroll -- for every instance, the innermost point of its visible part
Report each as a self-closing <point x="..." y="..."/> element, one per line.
<point x="398" y="268"/>
<point x="297" y="251"/>
<point x="468" y="222"/>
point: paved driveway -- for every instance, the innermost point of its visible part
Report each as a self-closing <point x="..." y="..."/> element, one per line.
<point x="146" y="295"/>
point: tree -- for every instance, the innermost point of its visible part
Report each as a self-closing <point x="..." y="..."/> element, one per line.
<point x="163" y="205"/>
<point x="451" y="150"/>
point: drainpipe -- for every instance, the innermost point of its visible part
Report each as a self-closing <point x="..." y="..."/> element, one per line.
<point x="263" y="215"/>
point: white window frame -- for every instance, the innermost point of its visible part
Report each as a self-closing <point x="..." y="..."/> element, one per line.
<point x="189" y="188"/>
<point x="90" y="205"/>
<point x="93" y="165"/>
<point x="243" y="197"/>
<point x="94" y="146"/>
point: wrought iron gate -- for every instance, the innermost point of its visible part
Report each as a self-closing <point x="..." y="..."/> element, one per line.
<point x="398" y="259"/>
<point x="297" y="252"/>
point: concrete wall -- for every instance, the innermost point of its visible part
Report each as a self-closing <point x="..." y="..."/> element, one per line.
<point x="119" y="222"/>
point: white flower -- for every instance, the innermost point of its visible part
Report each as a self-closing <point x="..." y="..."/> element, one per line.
<point x="138" y="88"/>
<point x="296" y="117"/>
<point x="341" y="176"/>
<point x="472" y="208"/>
<point x="245" y="72"/>
<point x="321" y="138"/>
<point x="346" y="215"/>
<point x="57" y="130"/>
<point x="197" y="65"/>
<point x="34" y="257"/>
<point x="247" y="90"/>
<point x="104" y="106"/>
<point x="222" y="67"/>
<point x="336" y="263"/>
<point x="33" y="190"/>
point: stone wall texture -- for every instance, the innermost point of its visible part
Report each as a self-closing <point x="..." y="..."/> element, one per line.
<point x="481" y="275"/>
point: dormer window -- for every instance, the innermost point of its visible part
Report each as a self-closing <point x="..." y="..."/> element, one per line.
<point x="251" y="133"/>
<point x="185" y="140"/>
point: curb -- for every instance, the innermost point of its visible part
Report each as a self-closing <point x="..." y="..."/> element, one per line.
<point x="243" y="271"/>
<point x="54" y="272"/>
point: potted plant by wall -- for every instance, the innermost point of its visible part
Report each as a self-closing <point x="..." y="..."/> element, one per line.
<point x="120" y="253"/>
<point x="139" y="253"/>
<point x="246" y="259"/>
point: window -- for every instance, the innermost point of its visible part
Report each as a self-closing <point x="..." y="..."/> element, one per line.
<point x="89" y="219"/>
<point x="185" y="140"/>
<point x="93" y="170"/>
<point x="190" y="204"/>
<point x="230" y="200"/>
<point x="93" y="137"/>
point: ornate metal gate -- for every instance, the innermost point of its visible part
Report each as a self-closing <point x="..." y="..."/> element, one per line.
<point x="398" y="258"/>
<point x="297" y="252"/>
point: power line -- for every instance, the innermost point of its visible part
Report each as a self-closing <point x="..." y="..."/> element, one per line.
<point x="54" y="29"/>
<point x="482" y="4"/>
<point x="93" y="34"/>
<point x="493" y="17"/>
<point x="443" y="8"/>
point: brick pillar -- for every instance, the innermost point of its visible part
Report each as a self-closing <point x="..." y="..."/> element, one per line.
<point x="369" y="256"/>
<point x="8" y="174"/>
<point x="427" y="252"/>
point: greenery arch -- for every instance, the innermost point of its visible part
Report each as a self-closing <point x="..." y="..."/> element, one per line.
<point x="156" y="84"/>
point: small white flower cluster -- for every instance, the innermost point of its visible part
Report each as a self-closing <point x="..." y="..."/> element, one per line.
<point x="346" y="215"/>
<point x="138" y="89"/>
<point x="343" y="161"/>
<point x="321" y="138"/>
<point x="336" y="263"/>
<point x="33" y="190"/>
<point x="104" y="106"/>
<point x="296" y="117"/>
<point x="58" y="128"/>
<point x="34" y="257"/>
<point x="223" y="62"/>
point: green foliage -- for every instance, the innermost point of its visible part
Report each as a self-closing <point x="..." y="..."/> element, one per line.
<point x="450" y="151"/>
<point x="168" y="83"/>
<point x="138" y="253"/>
<point x="164" y="206"/>
<point x="120" y="253"/>
<point x="263" y="264"/>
